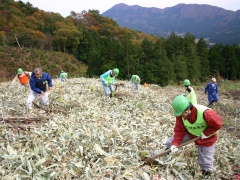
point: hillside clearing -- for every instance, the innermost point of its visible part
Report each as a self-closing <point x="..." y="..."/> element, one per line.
<point x="85" y="135"/>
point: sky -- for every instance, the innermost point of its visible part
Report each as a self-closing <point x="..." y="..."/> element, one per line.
<point x="64" y="7"/>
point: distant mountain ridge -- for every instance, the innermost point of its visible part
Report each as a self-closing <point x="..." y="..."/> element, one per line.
<point x="217" y="24"/>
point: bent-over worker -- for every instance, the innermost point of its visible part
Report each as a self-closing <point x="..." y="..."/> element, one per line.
<point x="135" y="81"/>
<point x="108" y="79"/>
<point x="22" y="78"/>
<point x="38" y="84"/>
<point x="194" y="120"/>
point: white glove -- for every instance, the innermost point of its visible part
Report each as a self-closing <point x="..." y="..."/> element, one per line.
<point x="174" y="149"/>
<point x="203" y="136"/>
<point x="106" y="83"/>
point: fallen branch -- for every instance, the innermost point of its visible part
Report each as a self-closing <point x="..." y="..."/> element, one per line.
<point x="15" y="127"/>
<point x="55" y="110"/>
<point x="24" y="126"/>
<point x="22" y="119"/>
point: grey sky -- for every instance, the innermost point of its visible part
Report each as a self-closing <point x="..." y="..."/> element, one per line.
<point x="64" y="7"/>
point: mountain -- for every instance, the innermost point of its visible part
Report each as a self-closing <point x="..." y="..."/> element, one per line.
<point x="217" y="24"/>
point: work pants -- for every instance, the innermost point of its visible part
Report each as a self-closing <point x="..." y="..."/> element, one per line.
<point x="105" y="88"/>
<point x="205" y="154"/>
<point x="33" y="95"/>
<point x="213" y="96"/>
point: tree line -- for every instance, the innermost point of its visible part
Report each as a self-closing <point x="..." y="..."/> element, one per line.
<point x="102" y="44"/>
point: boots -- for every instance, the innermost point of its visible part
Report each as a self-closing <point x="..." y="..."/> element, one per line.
<point x="206" y="173"/>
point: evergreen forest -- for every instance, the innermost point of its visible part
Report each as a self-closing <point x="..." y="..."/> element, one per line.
<point x="101" y="44"/>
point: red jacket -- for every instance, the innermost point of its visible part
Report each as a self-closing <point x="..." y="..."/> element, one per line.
<point x="214" y="123"/>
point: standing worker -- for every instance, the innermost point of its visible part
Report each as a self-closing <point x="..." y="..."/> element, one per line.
<point x="22" y="77"/>
<point x="212" y="90"/>
<point x="38" y="84"/>
<point x="194" y="120"/>
<point x="108" y="79"/>
<point x="63" y="76"/>
<point x="190" y="93"/>
<point x="135" y="81"/>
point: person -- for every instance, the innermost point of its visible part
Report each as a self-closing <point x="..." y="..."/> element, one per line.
<point x="212" y="90"/>
<point x="194" y="120"/>
<point x="135" y="81"/>
<point x="38" y="84"/>
<point x="190" y="93"/>
<point x="63" y="76"/>
<point x="22" y="78"/>
<point x="108" y="79"/>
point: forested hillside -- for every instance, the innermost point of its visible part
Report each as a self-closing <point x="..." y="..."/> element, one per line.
<point x="12" y="58"/>
<point x="101" y="44"/>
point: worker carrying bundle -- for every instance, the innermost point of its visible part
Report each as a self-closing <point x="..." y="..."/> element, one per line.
<point x="135" y="81"/>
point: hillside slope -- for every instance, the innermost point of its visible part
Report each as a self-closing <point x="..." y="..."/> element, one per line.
<point x="206" y="21"/>
<point x="85" y="135"/>
<point x="28" y="59"/>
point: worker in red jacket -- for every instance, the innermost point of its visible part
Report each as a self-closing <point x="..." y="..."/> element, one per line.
<point x="192" y="121"/>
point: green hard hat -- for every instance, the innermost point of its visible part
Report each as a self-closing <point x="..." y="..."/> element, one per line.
<point x="186" y="82"/>
<point x="20" y="70"/>
<point x="179" y="104"/>
<point x="116" y="71"/>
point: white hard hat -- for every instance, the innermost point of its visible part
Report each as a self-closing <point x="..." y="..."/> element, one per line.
<point x="214" y="79"/>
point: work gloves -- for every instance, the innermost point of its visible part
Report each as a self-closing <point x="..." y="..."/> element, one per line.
<point x="174" y="149"/>
<point x="203" y="136"/>
<point x="106" y="83"/>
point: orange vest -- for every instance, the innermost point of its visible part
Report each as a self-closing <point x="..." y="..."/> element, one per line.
<point x="23" y="78"/>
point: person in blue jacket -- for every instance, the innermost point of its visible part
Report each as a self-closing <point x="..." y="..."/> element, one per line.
<point x="38" y="83"/>
<point x="212" y="90"/>
<point x="108" y="79"/>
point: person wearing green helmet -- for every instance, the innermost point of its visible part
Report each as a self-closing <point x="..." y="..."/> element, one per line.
<point x="135" y="81"/>
<point x="40" y="83"/>
<point x="63" y="76"/>
<point x="108" y="79"/>
<point x="189" y="92"/>
<point x="22" y="78"/>
<point x="194" y="120"/>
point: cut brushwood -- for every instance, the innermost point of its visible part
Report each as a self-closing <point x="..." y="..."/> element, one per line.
<point x="23" y="119"/>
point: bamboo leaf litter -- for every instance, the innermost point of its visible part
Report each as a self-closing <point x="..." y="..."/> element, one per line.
<point x="99" y="137"/>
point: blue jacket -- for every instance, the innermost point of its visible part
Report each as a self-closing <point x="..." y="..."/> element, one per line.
<point x="210" y="89"/>
<point x="34" y="81"/>
<point x="106" y="74"/>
